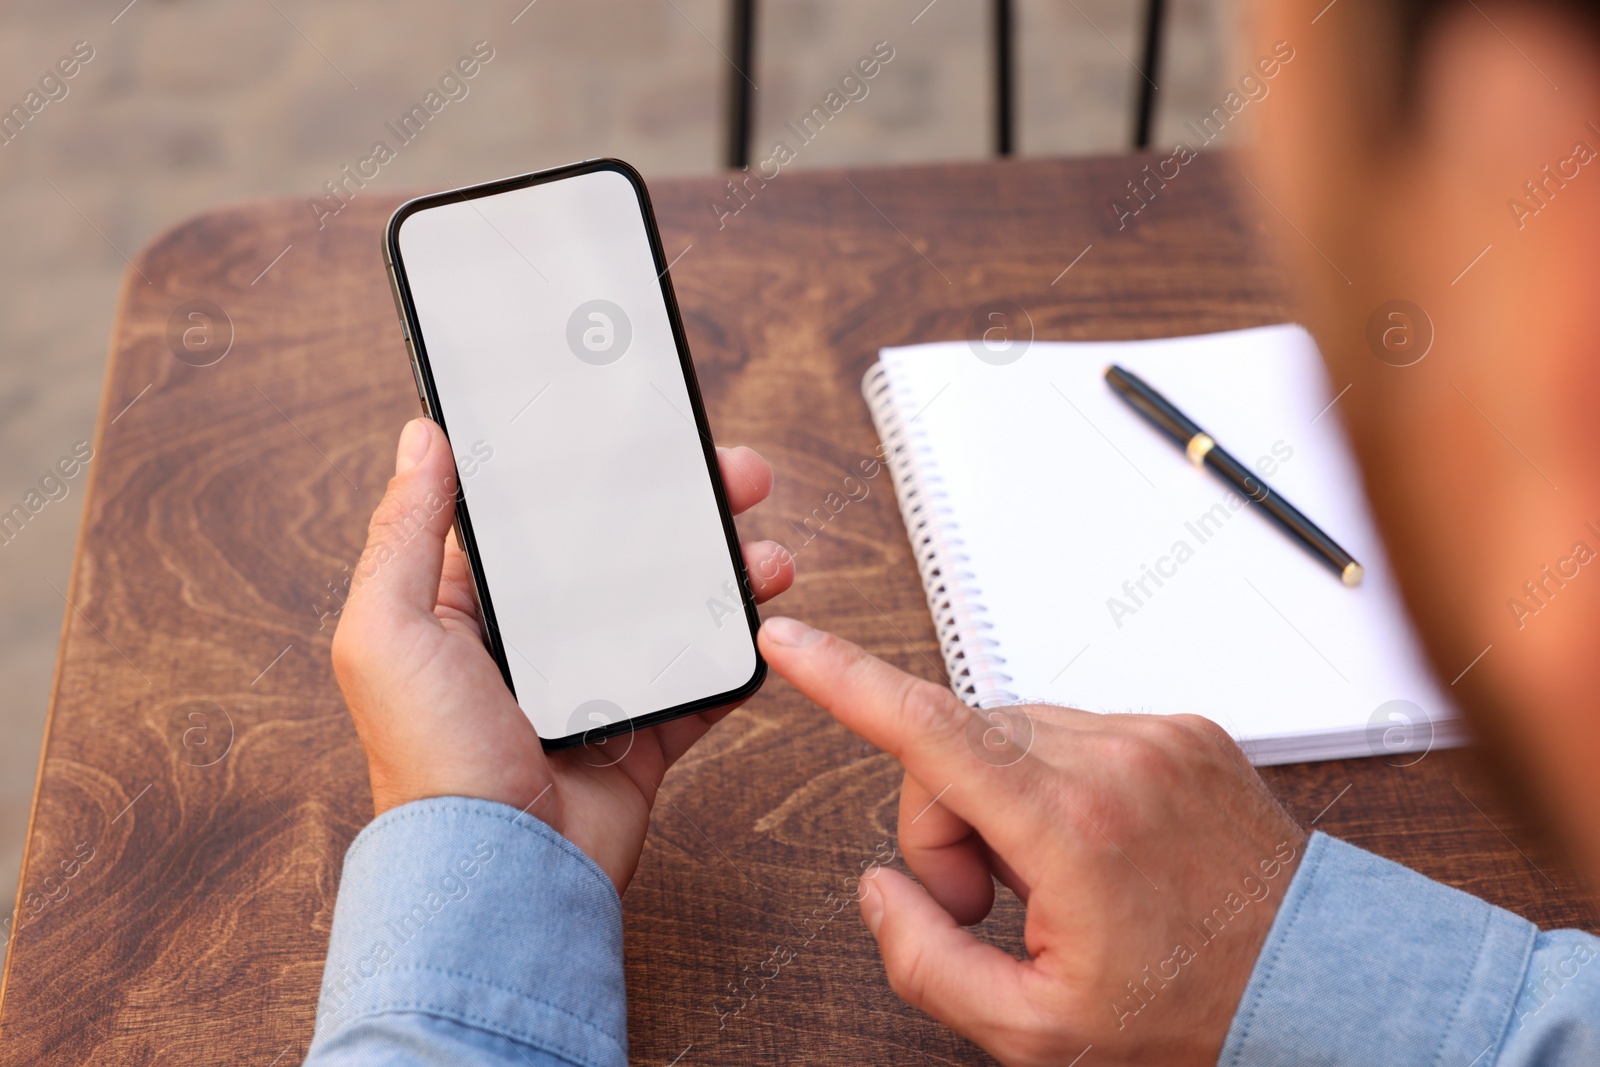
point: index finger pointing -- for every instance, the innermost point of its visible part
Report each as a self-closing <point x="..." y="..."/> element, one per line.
<point x="920" y="723"/>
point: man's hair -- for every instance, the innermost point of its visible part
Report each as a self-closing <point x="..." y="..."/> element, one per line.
<point x="1415" y="15"/>
<point x="1413" y="20"/>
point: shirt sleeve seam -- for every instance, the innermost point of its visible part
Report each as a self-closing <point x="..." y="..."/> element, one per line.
<point x="484" y="809"/>
<point x="467" y="1017"/>
<point x="567" y="1056"/>
<point x="1466" y="984"/>
<point x="1529" y="950"/>
<point x="1280" y="938"/>
<point x="474" y="1021"/>
<point x="466" y="976"/>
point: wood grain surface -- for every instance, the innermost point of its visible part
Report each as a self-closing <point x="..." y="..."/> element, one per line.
<point x="201" y="778"/>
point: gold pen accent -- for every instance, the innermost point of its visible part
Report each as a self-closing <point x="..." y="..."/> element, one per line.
<point x="1204" y="452"/>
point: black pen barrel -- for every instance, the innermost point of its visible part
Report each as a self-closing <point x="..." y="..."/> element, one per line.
<point x="1156" y="409"/>
<point x="1285" y="514"/>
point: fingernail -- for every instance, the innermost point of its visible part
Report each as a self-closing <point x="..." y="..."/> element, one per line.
<point x="414" y="442"/>
<point x="871" y="902"/>
<point x="782" y="630"/>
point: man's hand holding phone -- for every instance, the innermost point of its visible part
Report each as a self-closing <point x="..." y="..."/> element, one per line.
<point x="430" y="704"/>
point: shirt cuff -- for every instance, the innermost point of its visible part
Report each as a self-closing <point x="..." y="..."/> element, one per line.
<point x="474" y="912"/>
<point x="1371" y="963"/>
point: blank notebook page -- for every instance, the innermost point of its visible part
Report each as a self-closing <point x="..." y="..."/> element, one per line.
<point x="1075" y="556"/>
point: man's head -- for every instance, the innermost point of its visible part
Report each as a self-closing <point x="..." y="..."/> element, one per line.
<point x="1446" y="154"/>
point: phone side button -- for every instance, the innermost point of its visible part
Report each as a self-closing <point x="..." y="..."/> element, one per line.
<point x="422" y="394"/>
<point x="416" y="374"/>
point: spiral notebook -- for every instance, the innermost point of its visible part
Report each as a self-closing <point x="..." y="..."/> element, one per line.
<point x="1072" y="555"/>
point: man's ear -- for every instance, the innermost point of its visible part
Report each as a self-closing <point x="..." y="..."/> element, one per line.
<point x="1505" y="126"/>
<point x="1505" y="188"/>
<point x="1482" y="460"/>
<point x="1496" y="233"/>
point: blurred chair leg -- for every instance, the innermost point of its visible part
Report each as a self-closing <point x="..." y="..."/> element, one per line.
<point x="740" y="103"/>
<point x="1004" y="79"/>
<point x="1155" y="17"/>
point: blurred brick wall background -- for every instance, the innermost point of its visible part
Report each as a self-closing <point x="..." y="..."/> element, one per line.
<point x="190" y="103"/>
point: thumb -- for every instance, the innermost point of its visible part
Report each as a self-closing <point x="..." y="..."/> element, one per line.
<point x="398" y="574"/>
<point x="935" y="965"/>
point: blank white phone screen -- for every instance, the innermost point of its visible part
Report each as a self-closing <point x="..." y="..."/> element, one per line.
<point x="559" y="383"/>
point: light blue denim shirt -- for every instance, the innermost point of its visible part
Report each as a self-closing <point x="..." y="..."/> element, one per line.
<point x="468" y="932"/>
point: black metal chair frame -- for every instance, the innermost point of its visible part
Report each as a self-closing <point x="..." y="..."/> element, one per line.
<point x="741" y="84"/>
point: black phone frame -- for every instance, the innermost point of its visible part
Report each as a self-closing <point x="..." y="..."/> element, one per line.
<point x="428" y="393"/>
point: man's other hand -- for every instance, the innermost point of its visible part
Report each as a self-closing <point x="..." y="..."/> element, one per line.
<point x="1149" y="854"/>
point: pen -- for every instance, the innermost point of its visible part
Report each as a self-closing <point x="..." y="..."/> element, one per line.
<point x="1203" y="451"/>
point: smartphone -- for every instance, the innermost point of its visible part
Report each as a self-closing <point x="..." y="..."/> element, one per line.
<point x="545" y="339"/>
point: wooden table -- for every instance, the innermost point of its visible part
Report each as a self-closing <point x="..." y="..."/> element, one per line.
<point x="201" y="779"/>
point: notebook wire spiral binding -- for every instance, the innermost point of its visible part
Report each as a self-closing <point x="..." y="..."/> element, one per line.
<point x="975" y="669"/>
